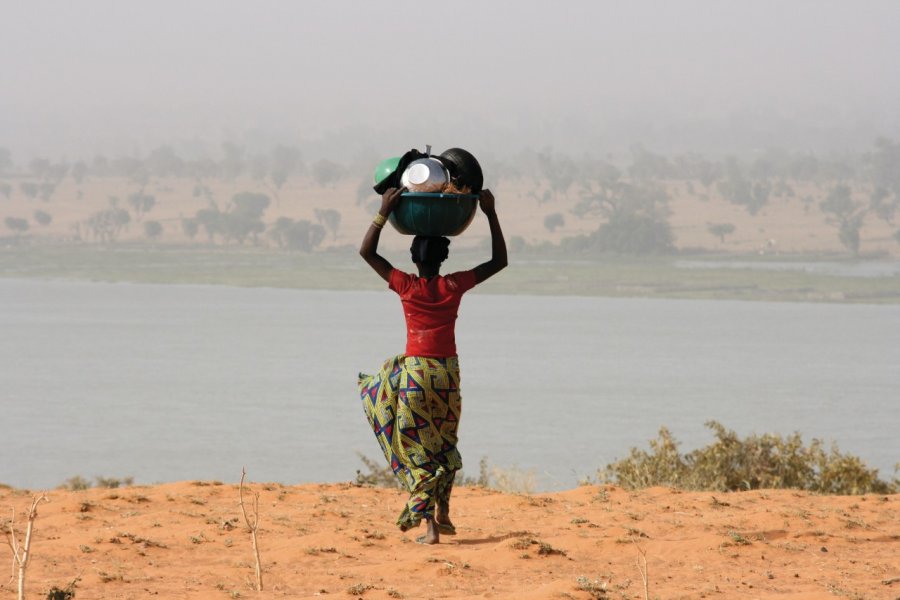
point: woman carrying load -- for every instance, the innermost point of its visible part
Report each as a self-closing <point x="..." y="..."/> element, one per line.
<point x="413" y="404"/>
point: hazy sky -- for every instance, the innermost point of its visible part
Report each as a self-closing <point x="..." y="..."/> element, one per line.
<point x="113" y="76"/>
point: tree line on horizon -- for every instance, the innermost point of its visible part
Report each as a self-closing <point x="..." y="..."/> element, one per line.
<point x="630" y="196"/>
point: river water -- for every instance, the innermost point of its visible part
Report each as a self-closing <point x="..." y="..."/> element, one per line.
<point x="166" y="382"/>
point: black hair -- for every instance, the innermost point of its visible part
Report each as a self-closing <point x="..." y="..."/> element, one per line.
<point x="431" y="250"/>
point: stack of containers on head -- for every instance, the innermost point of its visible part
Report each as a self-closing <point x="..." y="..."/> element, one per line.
<point x="442" y="195"/>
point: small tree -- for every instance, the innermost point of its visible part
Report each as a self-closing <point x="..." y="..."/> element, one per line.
<point x="189" y="227"/>
<point x="16" y="224"/>
<point x="737" y="188"/>
<point x="42" y="217"/>
<point x="286" y="161"/>
<point x="141" y="203"/>
<point x="106" y="225"/>
<point x="846" y="214"/>
<point x="884" y="205"/>
<point x="30" y="189"/>
<point x="153" y="229"/>
<point x="211" y="219"/>
<point x="720" y="230"/>
<point x="296" y="235"/>
<point x="551" y="222"/>
<point x="636" y="221"/>
<point x="559" y="171"/>
<point x="330" y="219"/>
<point x="647" y="166"/>
<point x="883" y="165"/>
<point x="245" y="217"/>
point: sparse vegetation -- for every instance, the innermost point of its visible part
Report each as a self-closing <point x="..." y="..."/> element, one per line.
<point x="595" y="587"/>
<point x="66" y="593"/>
<point x="511" y="480"/>
<point x="113" y="482"/>
<point x="80" y="483"/>
<point x="359" y="589"/>
<point x="755" y="462"/>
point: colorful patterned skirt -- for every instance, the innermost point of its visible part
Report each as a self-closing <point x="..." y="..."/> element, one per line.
<point x="413" y="405"/>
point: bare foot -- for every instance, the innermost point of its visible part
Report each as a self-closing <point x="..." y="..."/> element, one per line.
<point x="442" y="516"/>
<point x="432" y="536"/>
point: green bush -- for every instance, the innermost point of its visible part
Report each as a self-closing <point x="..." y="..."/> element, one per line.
<point x="767" y="461"/>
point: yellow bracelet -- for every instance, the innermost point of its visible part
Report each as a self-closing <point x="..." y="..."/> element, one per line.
<point x="379" y="221"/>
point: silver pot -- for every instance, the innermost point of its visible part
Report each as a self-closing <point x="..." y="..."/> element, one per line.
<point x="425" y="175"/>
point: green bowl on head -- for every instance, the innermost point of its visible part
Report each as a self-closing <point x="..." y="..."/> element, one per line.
<point x="385" y="168"/>
<point x="434" y="214"/>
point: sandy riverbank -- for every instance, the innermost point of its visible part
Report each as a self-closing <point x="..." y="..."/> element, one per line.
<point x="186" y="540"/>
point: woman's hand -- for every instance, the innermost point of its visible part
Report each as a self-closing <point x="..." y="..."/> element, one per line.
<point x="389" y="200"/>
<point x="486" y="200"/>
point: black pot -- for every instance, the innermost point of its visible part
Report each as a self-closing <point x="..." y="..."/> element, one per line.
<point x="464" y="169"/>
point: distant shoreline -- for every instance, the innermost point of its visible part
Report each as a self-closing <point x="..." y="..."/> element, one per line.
<point x="725" y="277"/>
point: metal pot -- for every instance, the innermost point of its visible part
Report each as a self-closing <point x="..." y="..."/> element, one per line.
<point x="425" y="175"/>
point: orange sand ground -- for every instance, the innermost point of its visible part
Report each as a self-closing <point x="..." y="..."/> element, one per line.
<point x="186" y="540"/>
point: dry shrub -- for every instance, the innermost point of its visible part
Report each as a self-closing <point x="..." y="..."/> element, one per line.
<point x="484" y="476"/>
<point x="511" y="480"/>
<point x="378" y="475"/>
<point x="78" y="483"/>
<point x="767" y="461"/>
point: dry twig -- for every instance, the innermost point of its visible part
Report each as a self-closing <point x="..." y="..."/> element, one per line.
<point x="253" y="527"/>
<point x="21" y="553"/>
<point x="642" y="567"/>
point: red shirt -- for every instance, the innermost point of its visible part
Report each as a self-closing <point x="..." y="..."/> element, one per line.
<point x="430" y="306"/>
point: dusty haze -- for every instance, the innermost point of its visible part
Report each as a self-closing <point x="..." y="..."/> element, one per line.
<point x="112" y="77"/>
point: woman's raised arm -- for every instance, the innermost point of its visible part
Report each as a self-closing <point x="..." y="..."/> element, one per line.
<point x="369" y="248"/>
<point x="499" y="259"/>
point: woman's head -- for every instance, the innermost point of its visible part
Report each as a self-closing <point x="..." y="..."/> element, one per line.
<point x="429" y="250"/>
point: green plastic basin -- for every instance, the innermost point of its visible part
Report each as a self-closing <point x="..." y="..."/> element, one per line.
<point x="433" y="214"/>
